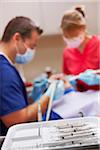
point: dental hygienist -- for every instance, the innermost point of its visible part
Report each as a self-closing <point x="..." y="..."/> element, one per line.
<point x="17" y="46"/>
<point x="82" y="50"/>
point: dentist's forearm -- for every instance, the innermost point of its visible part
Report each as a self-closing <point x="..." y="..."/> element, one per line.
<point x="32" y="110"/>
<point x="27" y="114"/>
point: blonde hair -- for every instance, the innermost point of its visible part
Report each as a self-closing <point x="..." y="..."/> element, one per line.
<point x="73" y="19"/>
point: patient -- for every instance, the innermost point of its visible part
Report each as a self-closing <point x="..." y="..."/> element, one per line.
<point x="69" y="103"/>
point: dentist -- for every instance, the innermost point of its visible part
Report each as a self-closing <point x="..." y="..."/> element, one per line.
<point x="17" y="46"/>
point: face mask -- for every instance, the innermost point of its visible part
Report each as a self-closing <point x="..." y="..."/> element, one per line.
<point x="74" y="43"/>
<point x="27" y="57"/>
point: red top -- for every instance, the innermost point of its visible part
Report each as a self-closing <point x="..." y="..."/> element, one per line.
<point x="75" y="62"/>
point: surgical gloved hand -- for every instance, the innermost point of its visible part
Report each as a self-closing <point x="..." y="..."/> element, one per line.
<point x="39" y="88"/>
<point x="49" y="90"/>
<point x="59" y="90"/>
<point x="90" y="77"/>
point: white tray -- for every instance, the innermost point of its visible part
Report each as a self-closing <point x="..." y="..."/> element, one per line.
<point x="52" y="135"/>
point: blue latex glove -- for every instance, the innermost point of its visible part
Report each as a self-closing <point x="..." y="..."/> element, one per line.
<point x="39" y="88"/>
<point x="59" y="90"/>
<point x="49" y="90"/>
<point x="90" y="77"/>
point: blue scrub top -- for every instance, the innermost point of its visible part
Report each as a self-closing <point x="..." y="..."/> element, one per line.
<point x="13" y="95"/>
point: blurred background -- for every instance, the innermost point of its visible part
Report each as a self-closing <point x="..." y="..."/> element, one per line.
<point x="47" y="14"/>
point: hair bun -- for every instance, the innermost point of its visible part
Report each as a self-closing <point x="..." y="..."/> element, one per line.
<point x="80" y="9"/>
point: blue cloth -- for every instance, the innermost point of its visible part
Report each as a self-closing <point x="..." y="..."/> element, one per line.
<point x="53" y="116"/>
<point x="69" y="90"/>
<point x="13" y="95"/>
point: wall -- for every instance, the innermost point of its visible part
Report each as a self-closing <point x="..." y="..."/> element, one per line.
<point x="98" y="16"/>
<point x="46" y="13"/>
<point x="49" y="50"/>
